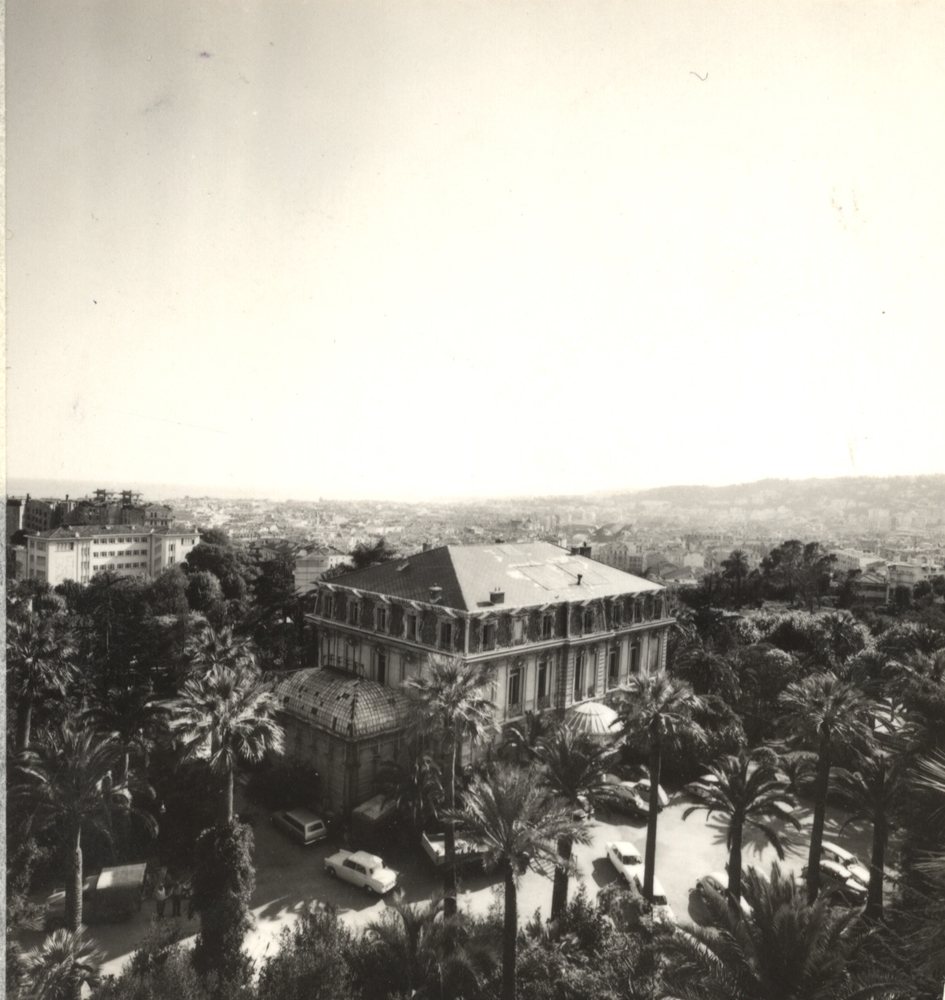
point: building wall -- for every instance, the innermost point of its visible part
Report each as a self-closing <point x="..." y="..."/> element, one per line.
<point x="55" y="560"/>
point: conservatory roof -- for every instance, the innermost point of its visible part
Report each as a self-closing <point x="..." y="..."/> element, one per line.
<point x="342" y="703"/>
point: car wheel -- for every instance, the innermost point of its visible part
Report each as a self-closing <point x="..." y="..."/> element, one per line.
<point x="368" y="889"/>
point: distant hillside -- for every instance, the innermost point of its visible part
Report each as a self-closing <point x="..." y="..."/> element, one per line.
<point x="871" y="490"/>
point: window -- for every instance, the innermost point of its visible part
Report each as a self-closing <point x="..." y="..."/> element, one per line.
<point x="617" y="614"/>
<point x="446" y="635"/>
<point x="382" y="619"/>
<point x="488" y="635"/>
<point x="547" y="626"/>
<point x="518" y="630"/>
<point x="354" y="612"/>
<point x="635" y="656"/>
<point x="613" y="667"/>
<point x="412" y="627"/>
<point x="380" y="667"/>
<point x="579" y="664"/>
<point x="657" y="607"/>
<point x="588" y="621"/>
<point x="515" y="691"/>
<point x="328" y="606"/>
<point x="544" y="682"/>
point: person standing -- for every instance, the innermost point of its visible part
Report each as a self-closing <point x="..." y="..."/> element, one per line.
<point x="160" y="898"/>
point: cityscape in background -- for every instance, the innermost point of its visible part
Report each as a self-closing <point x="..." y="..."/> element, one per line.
<point x="889" y="532"/>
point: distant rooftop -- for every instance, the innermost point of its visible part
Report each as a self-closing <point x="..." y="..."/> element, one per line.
<point x="526" y="575"/>
<point x="97" y="530"/>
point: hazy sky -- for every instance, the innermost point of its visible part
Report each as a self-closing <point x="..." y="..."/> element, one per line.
<point x="395" y="248"/>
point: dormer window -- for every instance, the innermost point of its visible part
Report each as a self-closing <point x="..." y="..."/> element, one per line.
<point x="518" y="630"/>
<point x="382" y="619"/>
<point x="412" y="627"/>
<point x="354" y="612"/>
<point x="328" y="606"/>
<point x="488" y="635"/>
<point x="588" y="620"/>
<point x="547" y="626"/>
<point x="617" y="614"/>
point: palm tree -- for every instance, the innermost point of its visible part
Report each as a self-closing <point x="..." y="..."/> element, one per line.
<point x="789" y="950"/>
<point x="59" y="967"/>
<point x="823" y="713"/>
<point x="225" y="717"/>
<point x="659" y="706"/>
<point x="748" y="791"/>
<point x="220" y="648"/>
<point x="515" y="822"/>
<point x="38" y="654"/>
<point x="434" y="953"/>
<point x="872" y="792"/>
<point x="521" y="737"/>
<point x="707" y="671"/>
<point x="735" y="568"/>
<point x="416" y="789"/>
<point x="64" y="778"/>
<point x="573" y="765"/>
<point x="451" y="707"/>
<point x="130" y="715"/>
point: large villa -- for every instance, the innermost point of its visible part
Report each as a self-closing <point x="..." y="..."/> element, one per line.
<point x="558" y="629"/>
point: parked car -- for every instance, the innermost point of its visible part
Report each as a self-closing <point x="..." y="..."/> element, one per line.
<point x="113" y="895"/>
<point x="643" y="787"/>
<point x="625" y="858"/>
<point x="833" y="852"/>
<point x="716" y="882"/>
<point x="364" y="870"/>
<point x="435" y="846"/>
<point x="301" y="825"/>
<point x="836" y="878"/>
<point x="662" y="911"/>
<point x="626" y="795"/>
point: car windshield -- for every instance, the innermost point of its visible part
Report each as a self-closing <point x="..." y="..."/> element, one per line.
<point x="630" y="859"/>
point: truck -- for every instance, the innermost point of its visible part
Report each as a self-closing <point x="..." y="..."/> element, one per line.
<point x="113" y="895"/>
<point x="434" y="844"/>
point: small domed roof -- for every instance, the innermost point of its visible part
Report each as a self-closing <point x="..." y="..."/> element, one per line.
<point x="342" y="703"/>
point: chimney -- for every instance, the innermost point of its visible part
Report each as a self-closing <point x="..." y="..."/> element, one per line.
<point x="496" y="596"/>
<point x="435" y="594"/>
<point x="426" y="547"/>
<point x="580" y="578"/>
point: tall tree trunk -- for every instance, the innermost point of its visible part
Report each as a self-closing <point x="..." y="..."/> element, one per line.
<point x="559" y="894"/>
<point x="24" y="721"/>
<point x="125" y="768"/>
<point x="509" y="935"/>
<point x="74" y="882"/>
<point x="735" y="864"/>
<point x="449" y="844"/>
<point x="874" y="896"/>
<point x="228" y="800"/>
<point x="821" y="784"/>
<point x="649" y="868"/>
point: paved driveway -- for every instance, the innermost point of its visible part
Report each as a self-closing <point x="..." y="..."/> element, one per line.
<point x="288" y="876"/>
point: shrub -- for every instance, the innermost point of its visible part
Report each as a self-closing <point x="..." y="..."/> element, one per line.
<point x="284" y="784"/>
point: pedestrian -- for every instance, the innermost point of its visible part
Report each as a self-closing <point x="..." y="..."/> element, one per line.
<point x="176" y="891"/>
<point x="160" y="897"/>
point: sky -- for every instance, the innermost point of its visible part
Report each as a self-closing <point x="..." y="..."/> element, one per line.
<point x="399" y="249"/>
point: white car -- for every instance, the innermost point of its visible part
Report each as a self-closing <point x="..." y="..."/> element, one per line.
<point x="833" y="852"/>
<point x="625" y="858"/>
<point x="626" y="795"/>
<point x="364" y="870"/>
<point x="662" y="911"/>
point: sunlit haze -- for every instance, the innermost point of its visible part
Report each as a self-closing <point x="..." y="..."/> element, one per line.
<point x="404" y="249"/>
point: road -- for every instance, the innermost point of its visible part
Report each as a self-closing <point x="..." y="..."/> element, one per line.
<point x="289" y="876"/>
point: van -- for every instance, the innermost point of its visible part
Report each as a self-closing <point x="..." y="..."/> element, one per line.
<point x="301" y="825"/>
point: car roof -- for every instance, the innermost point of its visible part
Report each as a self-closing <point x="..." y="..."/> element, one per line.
<point x="624" y="847"/>
<point x="368" y="860"/>
<point x="304" y="816"/>
<point x="841" y="852"/>
<point x="720" y="877"/>
<point x="835" y="867"/>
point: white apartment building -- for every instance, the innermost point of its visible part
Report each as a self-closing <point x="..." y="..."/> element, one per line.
<point x="79" y="552"/>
